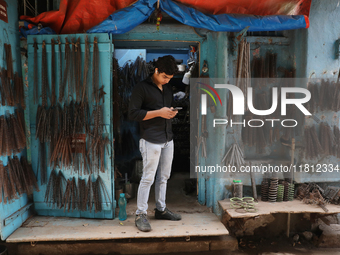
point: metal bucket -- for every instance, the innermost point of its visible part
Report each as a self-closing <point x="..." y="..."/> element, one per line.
<point x="3" y="250"/>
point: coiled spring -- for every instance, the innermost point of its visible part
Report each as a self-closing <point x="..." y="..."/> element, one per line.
<point x="245" y="204"/>
<point x="280" y="193"/>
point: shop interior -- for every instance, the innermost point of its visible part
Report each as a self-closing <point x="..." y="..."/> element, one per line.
<point x="139" y="57"/>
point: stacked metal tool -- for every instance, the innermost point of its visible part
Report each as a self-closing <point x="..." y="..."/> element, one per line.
<point x="234" y="156"/>
<point x="62" y="193"/>
<point x="69" y="122"/>
<point x="60" y="124"/>
<point x="16" y="178"/>
<point x="327" y="143"/>
<point x="311" y="193"/>
<point x="12" y="133"/>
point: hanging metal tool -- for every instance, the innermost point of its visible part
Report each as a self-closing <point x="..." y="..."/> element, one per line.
<point x="35" y="73"/>
<point x="53" y="74"/>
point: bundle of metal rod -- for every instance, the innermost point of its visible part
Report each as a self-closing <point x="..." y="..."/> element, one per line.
<point x="87" y="60"/>
<point x="7" y="191"/>
<point x="35" y="73"/>
<point x="260" y="138"/>
<point x="21" y="119"/>
<point x="81" y="163"/>
<point x="335" y="98"/>
<point x="96" y="153"/>
<point x="21" y="176"/>
<point x="19" y="134"/>
<point x="97" y="120"/>
<point x="234" y="156"/>
<point x="313" y="146"/>
<point x="42" y="159"/>
<point x="288" y="132"/>
<point x="60" y="69"/>
<point x="72" y="78"/>
<point x="44" y="79"/>
<point x="312" y="104"/>
<point x="248" y="133"/>
<point x="95" y="71"/>
<point x="78" y="71"/>
<point x="256" y="67"/>
<point x="2" y="82"/>
<point x="29" y="176"/>
<point x="79" y="118"/>
<point x="62" y="155"/>
<point x="324" y="99"/>
<point x="89" y="195"/>
<point x="41" y="124"/>
<point x="128" y="76"/>
<point x="336" y="148"/>
<point x="327" y="139"/>
<point x="16" y="178"/>
<point x="99" y="192"/>
<point x="7" y="93"/>
<point x="62" y="86"/>
<point x="82" y="194"/>
<point x="243" y="68"/>
<point x="9" y="61"/>
<point x="258" y="71"/>
<point x="12" y="135"/>
<point x="70" y="199"/>
<point x="19" y="94"/>
<point x="270" y="65"/>
<point x="53" y="74"/>
<point x="55" y="190"/>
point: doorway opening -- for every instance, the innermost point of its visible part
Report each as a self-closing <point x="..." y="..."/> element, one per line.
<point x="131" y="56"/>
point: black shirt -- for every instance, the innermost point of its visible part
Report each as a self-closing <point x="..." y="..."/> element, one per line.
<point x="146" y="96"/>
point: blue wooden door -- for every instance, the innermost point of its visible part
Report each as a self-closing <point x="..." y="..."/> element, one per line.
<point x="105" y="79"/>
<point x="12" y="213"/>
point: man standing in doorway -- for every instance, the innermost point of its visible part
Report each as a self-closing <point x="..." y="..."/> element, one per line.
<point x="151" y="105"/>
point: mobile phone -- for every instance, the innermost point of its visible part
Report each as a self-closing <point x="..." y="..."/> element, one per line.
<point x="177" y="108"/>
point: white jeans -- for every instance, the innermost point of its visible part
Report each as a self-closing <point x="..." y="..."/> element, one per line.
<point x="156" y="158"/>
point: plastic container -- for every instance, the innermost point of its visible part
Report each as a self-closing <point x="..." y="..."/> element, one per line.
<point x="122" y="207"/>
<point x="237" y="188"/>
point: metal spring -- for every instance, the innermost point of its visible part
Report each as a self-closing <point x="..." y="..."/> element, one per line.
<point x="291" y="191"/>
<point x="241" y="205"/>
<point x="273" y="190"/>
<point x="264" y="190"/>
<point x="280" y="192"/>
<point x="286" y="191"/>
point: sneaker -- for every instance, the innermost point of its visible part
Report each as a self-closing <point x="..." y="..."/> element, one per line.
<point x="142" y="223"/>
<point x="167" y="215"/>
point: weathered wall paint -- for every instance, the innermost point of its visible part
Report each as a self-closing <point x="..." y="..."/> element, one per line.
<point x="324" y="30"/>
<point x="315" y="58"/>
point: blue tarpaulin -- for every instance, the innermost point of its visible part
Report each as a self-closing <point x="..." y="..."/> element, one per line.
<point x="231" y="22"/>
<point x="126" y="19"/>
<point x="30" y="29"/>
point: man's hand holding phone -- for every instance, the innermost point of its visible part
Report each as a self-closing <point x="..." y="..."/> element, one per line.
<point x="168" y="113"/>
